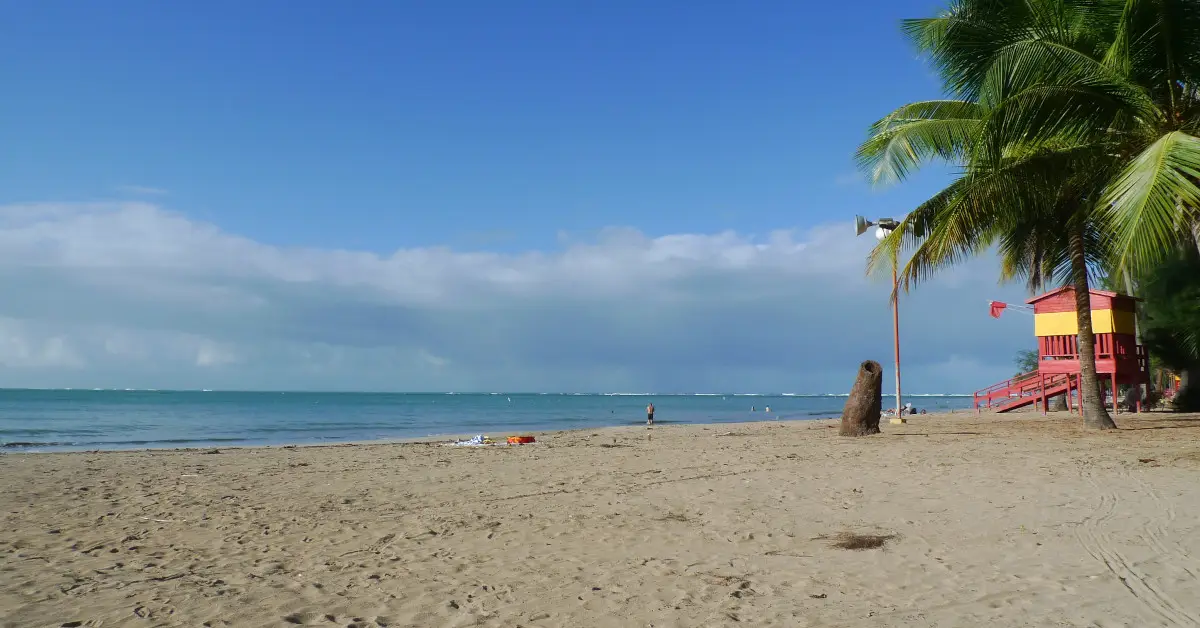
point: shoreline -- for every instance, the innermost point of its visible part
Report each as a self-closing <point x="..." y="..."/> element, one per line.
<point x="128" y="421"/>
<point x="475" y="393"/>
<point x="416" y="440"/>
<point x="42" y="449"/>
<point x="433" y="438"/>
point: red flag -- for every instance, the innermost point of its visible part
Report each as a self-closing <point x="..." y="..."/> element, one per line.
<point x="996" y="308"/>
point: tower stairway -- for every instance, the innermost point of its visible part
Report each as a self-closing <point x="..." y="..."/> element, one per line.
<point x="1022" y="390"/>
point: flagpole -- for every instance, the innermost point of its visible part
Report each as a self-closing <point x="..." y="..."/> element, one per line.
<point x="886" y="226"/>
<point x="996" y="308"/>
<point x="899" y="418"/>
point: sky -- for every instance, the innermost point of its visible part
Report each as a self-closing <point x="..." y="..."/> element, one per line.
<point x="465" y="195"/>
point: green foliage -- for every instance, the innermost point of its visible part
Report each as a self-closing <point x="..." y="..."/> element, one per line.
<point x="1171" y="325"/>
<point x="1025" y="172"/>
<point x="1075" y="126"/>
<point x="1188" y="399"/>
<point x="1153" y="198"/>
<point x="1171" y="330"/>
<point x="1066" y="116"/>
<point x="1153" y="400"/>
<point x="1026" y="361"/>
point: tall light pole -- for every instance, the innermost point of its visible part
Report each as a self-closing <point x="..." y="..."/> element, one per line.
<point x="884" y="227"/>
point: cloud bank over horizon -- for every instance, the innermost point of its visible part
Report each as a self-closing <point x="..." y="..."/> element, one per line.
<point x="131" y="295"/>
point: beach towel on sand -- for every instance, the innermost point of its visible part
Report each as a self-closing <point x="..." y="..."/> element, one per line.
<point x="478" y="440"/>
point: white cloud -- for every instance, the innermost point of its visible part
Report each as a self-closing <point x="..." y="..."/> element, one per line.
<point x="432" y="360"/>
<point x="21" y="347"/>
<point x="209" y="353"/>
<point x="131" y="295"/>
<point x="140" y="190"/>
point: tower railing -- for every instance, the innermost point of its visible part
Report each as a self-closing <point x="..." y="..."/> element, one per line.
<point x="1028" y="384"/>
<point x="1107" y="347"/>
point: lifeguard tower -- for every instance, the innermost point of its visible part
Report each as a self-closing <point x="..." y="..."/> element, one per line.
<point x="1119" y="358"/>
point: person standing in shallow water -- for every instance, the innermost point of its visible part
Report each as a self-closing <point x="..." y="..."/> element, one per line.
<point x="650" y="414"/>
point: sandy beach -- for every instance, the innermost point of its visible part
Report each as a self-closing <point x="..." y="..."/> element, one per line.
<point x="999" y="521"/>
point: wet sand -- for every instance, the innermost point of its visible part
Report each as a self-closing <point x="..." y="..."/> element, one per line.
<point x="996" y="521"/>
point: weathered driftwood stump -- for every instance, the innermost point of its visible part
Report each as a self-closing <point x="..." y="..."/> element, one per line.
<point x="860" y="417"/>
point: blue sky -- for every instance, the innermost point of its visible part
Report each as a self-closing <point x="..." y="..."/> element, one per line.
<point x="418" y="195"/>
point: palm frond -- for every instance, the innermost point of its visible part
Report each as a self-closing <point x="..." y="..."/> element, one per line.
<point x="1034" y="61"/>
<point x="1049" y="114"/>
<point x="1039" y="89"/>
<point x="1037" y="248"/>
<point x="962" y="41"/>
<point x="957" y="223"/>
<point x="1023" y="203"/>
<point x="916" y="133"/>
<point x="913" y="229"/>
<point x="1153" y="199"/>
<point x="1166" y="50"/>
<point x="1118" y="56"/>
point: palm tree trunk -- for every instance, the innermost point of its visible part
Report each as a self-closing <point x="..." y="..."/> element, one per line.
<point x="1095" y="415"/>
<point x="1185" y="399"/>
<point x="1196" y="234"/>
<point x="1141" y="391"/>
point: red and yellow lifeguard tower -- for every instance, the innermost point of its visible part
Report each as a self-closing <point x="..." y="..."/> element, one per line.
<point x="1119" y="358"/>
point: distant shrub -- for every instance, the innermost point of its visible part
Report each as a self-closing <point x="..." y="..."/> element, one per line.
<point x="1026" y="360"/>
<point x="1153" y="399"/>
<point x="1187" y="399"/>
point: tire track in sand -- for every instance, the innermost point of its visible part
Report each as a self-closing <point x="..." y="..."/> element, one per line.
<point x="1091" y="534"/>
<point x="1156" y="530"/>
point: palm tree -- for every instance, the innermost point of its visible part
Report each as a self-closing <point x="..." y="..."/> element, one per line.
<point x="1074" y="122"/>
<point x="1030" y="203"/>
<point x="1121" y="76"/>
<point x="1155" y="200"/>
<point x="1028" y="96"/>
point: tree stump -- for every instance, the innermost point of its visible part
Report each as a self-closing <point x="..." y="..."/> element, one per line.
<point x="860" y="417"/>
<point x="1058" y="403"/>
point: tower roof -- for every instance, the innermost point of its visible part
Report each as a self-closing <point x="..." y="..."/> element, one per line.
<point x="1099" y="293"/>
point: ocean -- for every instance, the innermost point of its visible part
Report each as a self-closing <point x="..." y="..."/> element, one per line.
<point x="74" y="420"/>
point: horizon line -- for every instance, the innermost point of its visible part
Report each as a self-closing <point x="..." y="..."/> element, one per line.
<point x="489" y="393"/>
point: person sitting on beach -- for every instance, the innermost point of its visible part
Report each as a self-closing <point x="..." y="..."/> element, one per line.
<point x="650" y="414"/>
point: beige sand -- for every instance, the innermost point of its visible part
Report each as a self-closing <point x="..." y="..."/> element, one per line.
<point x="996" y="522"/>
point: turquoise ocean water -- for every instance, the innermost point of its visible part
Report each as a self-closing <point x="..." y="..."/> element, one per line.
<point x="56" y="420"/>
